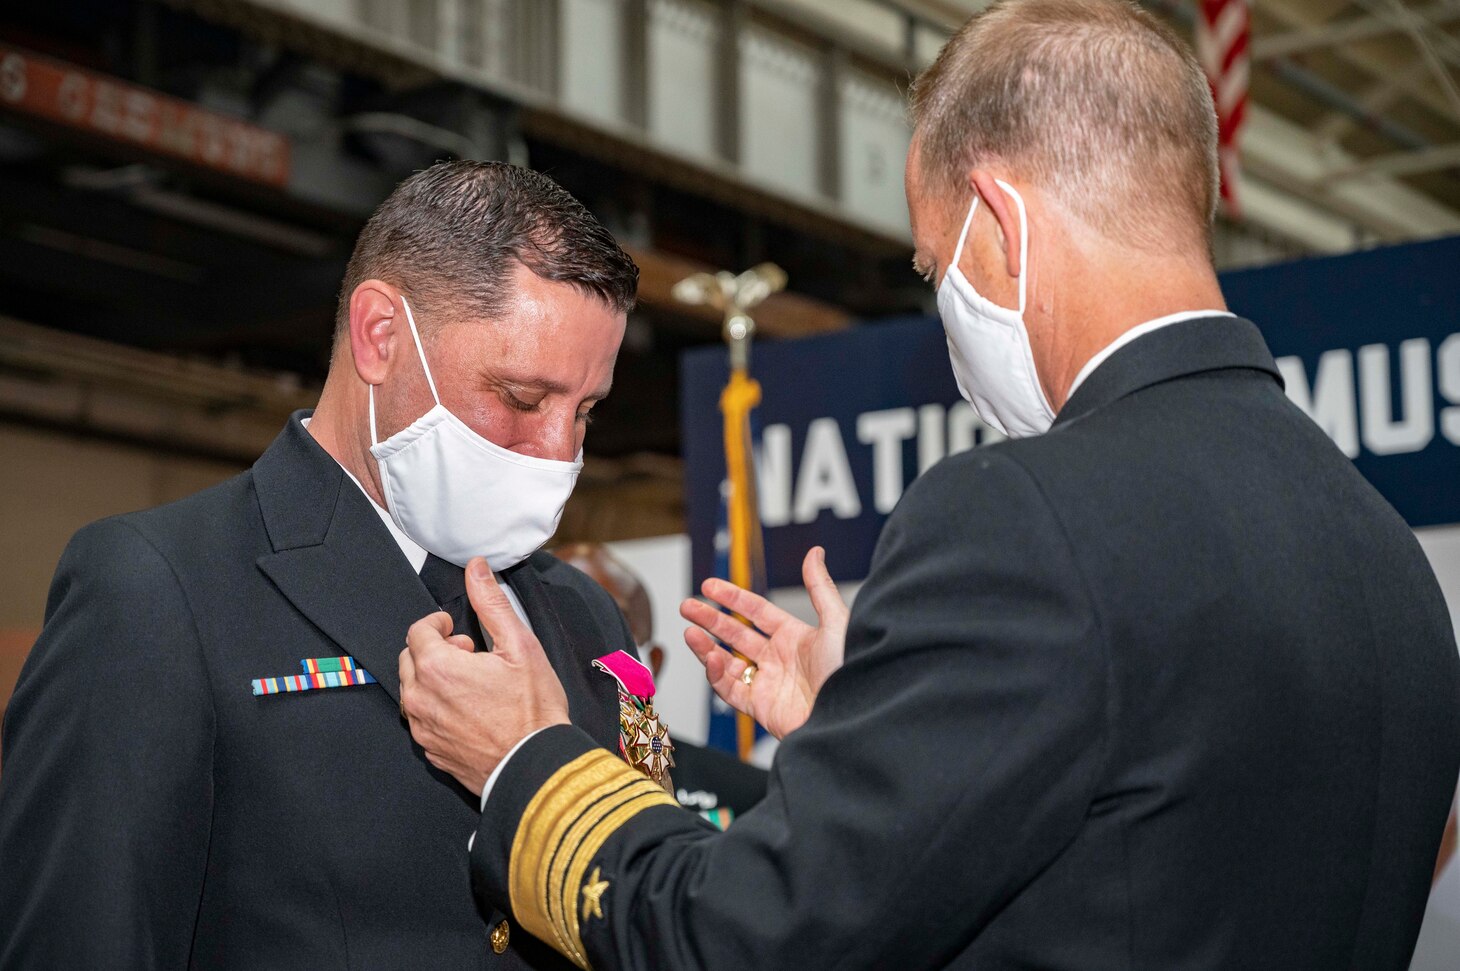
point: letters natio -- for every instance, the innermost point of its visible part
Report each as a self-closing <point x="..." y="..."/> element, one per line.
<point x="821" y="480"/>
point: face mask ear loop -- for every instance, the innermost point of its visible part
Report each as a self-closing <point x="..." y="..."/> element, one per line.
<point x="373" y="440"/>
<point x="963" y="236"/>
<point x="420" y="351"/>
<point x="1023" y="240"/>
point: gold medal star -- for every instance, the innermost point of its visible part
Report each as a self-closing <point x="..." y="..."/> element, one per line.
<point x="593" y="892"/>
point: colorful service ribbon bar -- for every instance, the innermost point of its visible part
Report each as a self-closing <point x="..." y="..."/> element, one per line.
<point x="324" y="665"/>
<point x="720" y="817"/>
<point x="319" y="672"/>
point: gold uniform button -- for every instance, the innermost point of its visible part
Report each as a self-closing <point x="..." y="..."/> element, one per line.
<point x="500" y="935"/>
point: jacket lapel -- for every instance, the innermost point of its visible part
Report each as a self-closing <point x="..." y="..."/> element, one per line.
<point x="338" y="564"/>
<point x="571" y="638"/>
<point x="333" y="558"/>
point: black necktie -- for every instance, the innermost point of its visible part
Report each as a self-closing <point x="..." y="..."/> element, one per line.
<point x="446" y="582"/>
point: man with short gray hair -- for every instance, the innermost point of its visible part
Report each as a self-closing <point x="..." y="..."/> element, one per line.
<point x="1159" y="683"/>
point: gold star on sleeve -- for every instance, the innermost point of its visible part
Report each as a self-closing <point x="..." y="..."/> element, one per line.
<point x="559" y="835"/>
<point x="593" y="892"/>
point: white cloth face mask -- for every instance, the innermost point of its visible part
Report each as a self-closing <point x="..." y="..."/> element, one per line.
<point x="458" y="495"/>
<point x="988" y="345"/>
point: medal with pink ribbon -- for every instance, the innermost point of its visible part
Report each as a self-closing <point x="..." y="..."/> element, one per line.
<point x="643" y="738"/>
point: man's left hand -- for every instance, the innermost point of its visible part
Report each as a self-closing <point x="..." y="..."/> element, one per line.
<point x="468" y="709"/>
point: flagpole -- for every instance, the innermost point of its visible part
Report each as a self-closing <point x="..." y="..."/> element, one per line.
<point x="734" y="296"/>
<point x="741" y="395"/>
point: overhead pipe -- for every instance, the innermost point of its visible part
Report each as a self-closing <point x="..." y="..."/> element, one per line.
<point x="1310" y="84"/>
<point x="1334" y="97"/>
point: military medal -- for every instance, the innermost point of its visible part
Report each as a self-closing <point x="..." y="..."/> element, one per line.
<point x="643" y="738"/>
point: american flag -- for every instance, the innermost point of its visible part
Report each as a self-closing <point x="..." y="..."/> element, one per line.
<point x="1223" y="34"/>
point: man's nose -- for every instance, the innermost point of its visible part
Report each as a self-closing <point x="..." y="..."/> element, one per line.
<point x="556" y="437"/>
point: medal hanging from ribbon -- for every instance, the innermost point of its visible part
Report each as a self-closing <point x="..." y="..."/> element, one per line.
<point x="643" y="738"/>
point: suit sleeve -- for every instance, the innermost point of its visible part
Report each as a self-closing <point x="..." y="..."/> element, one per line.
<point x="951" y="758"/>
<point x="106" y="792"/>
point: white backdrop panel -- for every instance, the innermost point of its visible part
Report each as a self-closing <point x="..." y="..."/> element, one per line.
<point x="588" y="51"/>
<point x="778" y="119"/>
<point x="683" y="35"/>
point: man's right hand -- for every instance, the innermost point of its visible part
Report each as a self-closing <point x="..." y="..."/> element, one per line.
<point x="792" y="659"/>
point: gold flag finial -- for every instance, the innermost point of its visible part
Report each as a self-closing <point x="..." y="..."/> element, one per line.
<point x="734" y="296"/>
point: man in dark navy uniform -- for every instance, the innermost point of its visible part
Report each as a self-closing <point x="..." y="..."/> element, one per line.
<point x="170" y="798"/>
<point x="1158" y="683"/>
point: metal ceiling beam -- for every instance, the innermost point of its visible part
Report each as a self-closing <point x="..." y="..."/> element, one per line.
<point x="945" y="14"/>
<point x="1283" y="154"/>
<point x="351" y="45"/>
<point x="64" y="381"/>
<point x="1423" y="30"/>
<point x="1403" y="163"/>
<point x="1290" y="217"/>
<point x="1369" y="114"/>
<point x="208" y="387"/>
<point x="1436" y="48"/>
<point x="1298" y="167"/>
<point x="1314" y="85"/>
<point x="1412" y="85"/>
<point x="1351" y="31"/>
<point x="1287" y="157"/>
<point x="1372" y="104"/>
<point x="1301" y="167"/>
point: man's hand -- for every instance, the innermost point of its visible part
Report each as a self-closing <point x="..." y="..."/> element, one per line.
<point x="793" y="660"/>
<point x="467" y="710"/>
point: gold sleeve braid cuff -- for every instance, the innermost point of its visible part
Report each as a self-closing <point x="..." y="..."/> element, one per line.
<point x="561" y="831"/>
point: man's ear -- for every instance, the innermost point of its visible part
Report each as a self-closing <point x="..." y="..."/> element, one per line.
<point x="372" y="323"/>
<point x="1005" y="212"/>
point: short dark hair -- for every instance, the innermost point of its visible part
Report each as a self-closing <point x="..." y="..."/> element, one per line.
<point x="450" y="236"/>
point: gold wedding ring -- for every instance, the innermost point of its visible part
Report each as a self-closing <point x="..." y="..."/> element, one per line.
<point x="748" y="675"/>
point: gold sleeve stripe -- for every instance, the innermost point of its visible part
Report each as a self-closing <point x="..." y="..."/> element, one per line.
<point x="647" y="795"/>
<point x="559" y="897"/>
<point x="562" y="829"/>
<point x="555" y="807"/>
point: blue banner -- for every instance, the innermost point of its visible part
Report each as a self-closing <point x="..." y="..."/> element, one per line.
<point x="1369" y="344"/>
